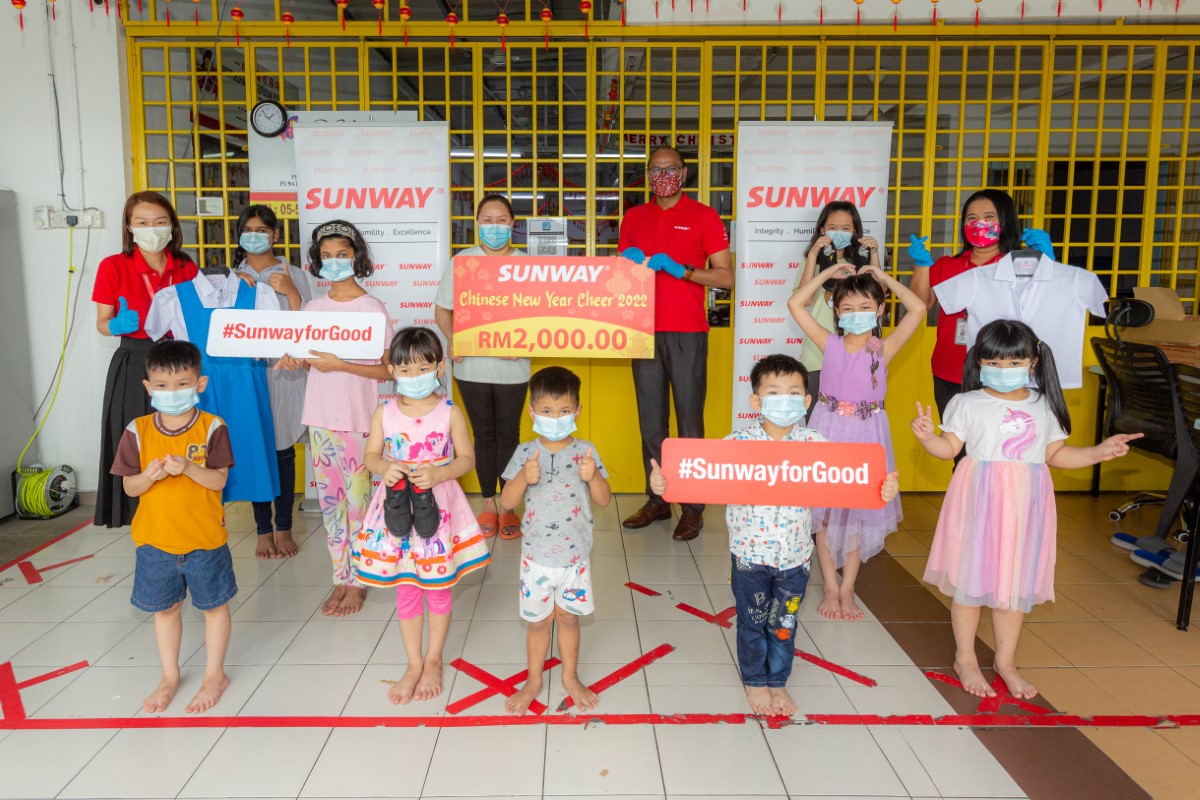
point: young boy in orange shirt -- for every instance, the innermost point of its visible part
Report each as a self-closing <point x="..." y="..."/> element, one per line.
<point x="176" y="461"/>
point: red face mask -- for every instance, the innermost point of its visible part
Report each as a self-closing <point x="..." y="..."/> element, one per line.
<point x="981" y="233"/>
<point x="666" y="184"/>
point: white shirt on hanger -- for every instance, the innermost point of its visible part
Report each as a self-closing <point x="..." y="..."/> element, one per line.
<point x="1051" y="300"/>
<point x="215" y="291"/>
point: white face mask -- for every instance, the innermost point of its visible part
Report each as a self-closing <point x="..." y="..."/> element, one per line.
<point x="152" y="240"/>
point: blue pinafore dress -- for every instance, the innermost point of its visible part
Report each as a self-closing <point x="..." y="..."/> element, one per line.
<point x="237" y="393"/>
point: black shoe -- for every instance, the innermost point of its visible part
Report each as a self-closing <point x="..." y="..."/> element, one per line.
<point x="425" y="514"/>
<point x="397" y="509"/>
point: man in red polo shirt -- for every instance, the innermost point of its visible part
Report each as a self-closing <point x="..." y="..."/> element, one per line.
<point x="685" y="242"/>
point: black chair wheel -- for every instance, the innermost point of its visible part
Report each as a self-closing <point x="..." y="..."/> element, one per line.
<point x="1116" y="516"/>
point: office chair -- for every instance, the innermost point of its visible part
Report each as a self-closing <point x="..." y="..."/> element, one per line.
<point x="1187" y="420"/>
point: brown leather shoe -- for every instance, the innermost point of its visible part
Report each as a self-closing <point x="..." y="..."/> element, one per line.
<point x="651" y="512"/>
<point x="689" y="527"/>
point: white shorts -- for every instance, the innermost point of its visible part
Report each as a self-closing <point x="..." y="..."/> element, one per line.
<point x="571" y="588"/>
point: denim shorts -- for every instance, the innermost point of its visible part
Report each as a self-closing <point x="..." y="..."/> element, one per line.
<point x="161" y="579"/>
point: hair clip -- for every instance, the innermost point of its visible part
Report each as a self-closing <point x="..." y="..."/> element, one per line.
<point x="335" y="229"/>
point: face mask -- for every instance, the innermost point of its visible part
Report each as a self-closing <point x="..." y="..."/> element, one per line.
<point x="495" y="236"/>
<point x="152" y="240"/>
<point x="982" y="233"/>
<point x="554" y="428"/>
<point x="858" y="321"/>
<point x="175" y="403"/>
<point x="840" y="239"/>
<point x="666" y="184"/>
<point x="418" y="387"/>
<point x="784" y="410"/>
<point x="255" y="242"/>
<point x="337" y="269"/>
<point x="1004" y="379"/>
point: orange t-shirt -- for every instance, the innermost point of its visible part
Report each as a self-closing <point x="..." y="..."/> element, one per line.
<point x="177" y="515"/>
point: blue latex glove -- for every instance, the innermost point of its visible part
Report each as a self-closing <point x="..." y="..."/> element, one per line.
<point x="1038" y="240"/>
<point x="918" y="251"/>
<point x="664" y="263"/>
<point x="634" y="254"/>
<point x="126" y="320"/>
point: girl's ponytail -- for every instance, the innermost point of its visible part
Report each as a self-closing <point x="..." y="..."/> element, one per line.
<point x="1046" y="375"/>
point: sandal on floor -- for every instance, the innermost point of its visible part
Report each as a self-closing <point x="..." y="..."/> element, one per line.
<point x="487" y="521"/>
<point x="1145" y="558"/>
<point x="510" y="526"/>
<point x="1151" y="543"/>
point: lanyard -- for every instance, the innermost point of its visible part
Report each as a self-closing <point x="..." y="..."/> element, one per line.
<point x="150" y="290"/>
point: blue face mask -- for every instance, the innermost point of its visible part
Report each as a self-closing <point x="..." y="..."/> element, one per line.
<point x="554" y="428"/>
<point x="255" y="242"/>
<point x="495" y="236"/>
<point x="858" y="321"/>
<point x="1004" y="379"/>
<point x="337" y="269"/>
<point x="784" y="410"/>
<point x="175" y="403"/>
<point x="840" y="239"/>
<point x="417" y="387"/>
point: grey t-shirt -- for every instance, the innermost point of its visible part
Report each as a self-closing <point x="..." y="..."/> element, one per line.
<point x="557" y="527"/>
<point x="479" y="369"/>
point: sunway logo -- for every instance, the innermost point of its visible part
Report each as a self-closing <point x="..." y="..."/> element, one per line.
<point x="424" y="321"/>
<point x="424" y="265"/>
<point x="795" y="340"/>
<point x="744" y="340"/>
<point x="770" y="282"/>
<point x="743" y="379"/>
<point x="414" y="305"/>
<point x="807" y="196"/>
<point x="769" y="320"/>
<point x="373" y="197"/>
<point x="747" y="415"/>
<point x="755" y="303"/>
<point x="758" y="264"/>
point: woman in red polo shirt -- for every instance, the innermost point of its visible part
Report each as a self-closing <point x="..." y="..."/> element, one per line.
<point x="990" y="229"/>
<point x="151" y="257"/>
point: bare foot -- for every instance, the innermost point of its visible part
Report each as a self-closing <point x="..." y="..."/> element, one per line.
<point x="972" y="679"/>
<point x="161" y="697"/>
<point x="265" y="549"/>
<point x="1018" y="687"/>
<point x="332" y="603"/>
<point x="402" y="692"/>
<point x="210" y="692"/>
<point x="831" y="604"/>
<point x="519" y="702"/>
<point x="760" y="700"/>
<point x="352" y="601"/>
<point x="782" y="704"/>
<point x="850" y="609"/>
<point x="582" y="697"/>
<point x="285" y="544"/>
<point x="430" y="685"/>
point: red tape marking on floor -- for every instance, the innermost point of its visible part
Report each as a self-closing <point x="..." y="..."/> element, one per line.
<point x="33" y="574"/>
<point x="58" y="673"/>
<point x="722" y="619"/>
<point x="836" y="669"/>
<point x="10" y="695"/>
<point x="42" y="547"/>
<point x="991" y="705"/>
<point x="615" y="677"/>
<point x="506" y="687"/>
<point x="637" y="587"/>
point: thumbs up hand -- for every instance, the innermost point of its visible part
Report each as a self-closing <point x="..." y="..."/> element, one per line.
<point x="533" y="467"/>
<point x="587" y="467"/>
<point x="125" y="321"/>
<point x="658" y="481"/>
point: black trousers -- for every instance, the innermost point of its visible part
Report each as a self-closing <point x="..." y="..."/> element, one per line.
<point x="125" y="400"/>
<point x="943" y="392"/>
<point x="680" y="367"/>
<point x="286" y="499"/>
<point x="495" y="413"/>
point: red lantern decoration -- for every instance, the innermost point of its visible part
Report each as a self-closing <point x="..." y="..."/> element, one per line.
<point x="977" y="2"/>
<point x="452" y="20"/>
<point x="53" y="11"/>
<point x="196" y="4"/>
<point x="287" y="19"/>
<point x="622" y="2"/>
<point x="821" y="18"/>
<point x="341" y="5"/>
<point x="19" y="5"/>
<point x="238" y="15"/>
<point x="858" y="12"/>
<point x="585" y="7"/>
<point x="379" y="8"/>
<point x="168" y="11"/>
<point x="405" y="15"/>
<point x="935" y="2"/>
<point x="547" y="15"/>
<point x="502" y="21"/>
<point x="895" y="14"/>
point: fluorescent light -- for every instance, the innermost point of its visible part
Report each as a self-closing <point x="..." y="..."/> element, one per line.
<point x="486" y="154"/>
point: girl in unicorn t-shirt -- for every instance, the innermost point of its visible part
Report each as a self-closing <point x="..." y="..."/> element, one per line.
<point x="995" y="541"/>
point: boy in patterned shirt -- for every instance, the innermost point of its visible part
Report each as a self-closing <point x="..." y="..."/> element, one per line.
<point x="771" y="546"/>
<point x="560" y="477"/>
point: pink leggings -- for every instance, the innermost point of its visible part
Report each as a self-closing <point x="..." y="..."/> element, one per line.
<point x="409" y="605"/>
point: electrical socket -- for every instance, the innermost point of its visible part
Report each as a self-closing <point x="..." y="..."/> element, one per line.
<point x="86" y="219"/>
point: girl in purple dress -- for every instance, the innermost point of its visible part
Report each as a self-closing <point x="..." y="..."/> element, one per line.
<point x="850" y="408"/>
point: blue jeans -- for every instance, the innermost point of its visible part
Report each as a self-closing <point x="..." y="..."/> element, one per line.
<point x="767" y="601"/>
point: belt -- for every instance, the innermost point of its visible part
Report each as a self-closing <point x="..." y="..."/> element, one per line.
<point x="863" y="409"/>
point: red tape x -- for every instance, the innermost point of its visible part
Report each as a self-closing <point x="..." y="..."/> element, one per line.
<point x="615" y="677"/>
<point x="495" y="686"/>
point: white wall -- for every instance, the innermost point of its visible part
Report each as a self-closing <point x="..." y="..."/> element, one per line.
<point x="96" y="139"/>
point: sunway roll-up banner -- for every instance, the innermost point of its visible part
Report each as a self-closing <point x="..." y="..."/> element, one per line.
<point x="786" y="173"/>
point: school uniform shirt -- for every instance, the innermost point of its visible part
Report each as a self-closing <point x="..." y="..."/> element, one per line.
<point x="215" y="291"/>
<point x="949" y="352"/>
<point x="773" y="536"/>
<point x="132" y="278"/>
<point x="176" y="514"/>
<point x="480" y="369"/>
<point x="688" y="232"/>
<point x="1052" y="301"/>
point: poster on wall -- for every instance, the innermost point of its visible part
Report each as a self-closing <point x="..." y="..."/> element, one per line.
<point x="787" y="172"/>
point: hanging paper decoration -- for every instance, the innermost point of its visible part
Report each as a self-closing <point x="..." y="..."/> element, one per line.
<point x="341" y="6"/>
<point x="821" y="13"/>
<point x="168" y="11"/>
<point x="287" y="19"/>
<point x="20" y="6"/>
<point x="546" y="16"/>
<point x="895" y="14"/>
<point x="585" y="7"/>
<point x="379" y="8"/>
<point x="196" y="3"/>
<point x="405" y="16"/>
<point x="502" y="21"/>
<point x="977" y="2"/>
<point x="622" y="2"/>
<point x="53" y="12"/>
<point x="935" y="2"/>
<point x="238" y="15"/>
<point x="780" y="10"/>
<point x="858" y="11"/>
<point x="452" y="20"/>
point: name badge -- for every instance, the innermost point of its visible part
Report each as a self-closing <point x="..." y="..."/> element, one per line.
<point x="960" y="330"/>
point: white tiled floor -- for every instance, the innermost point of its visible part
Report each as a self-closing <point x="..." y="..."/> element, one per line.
<point x="286" y="659"/>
